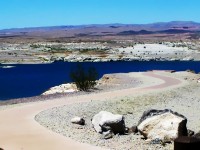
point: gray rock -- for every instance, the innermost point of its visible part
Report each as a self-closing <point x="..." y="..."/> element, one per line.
<point x="190" y="133"/>
<point x="108" y="135"/>
<point x="132" y="129"/>
<point x="165" y="125"/>
<point x="156" y="141"/>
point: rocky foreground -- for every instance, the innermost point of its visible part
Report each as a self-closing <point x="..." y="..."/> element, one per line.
<point x="184" y="100"/>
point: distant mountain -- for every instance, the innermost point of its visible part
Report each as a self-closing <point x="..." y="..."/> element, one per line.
<point x="176" y="24"/>
<point x="174" y="27"/>
<point x="131" y="32"/>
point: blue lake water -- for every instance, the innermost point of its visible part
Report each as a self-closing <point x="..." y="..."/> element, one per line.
<point x="33" y="79"/>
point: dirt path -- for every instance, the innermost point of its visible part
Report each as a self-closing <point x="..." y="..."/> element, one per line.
<point x="20" y="131"/>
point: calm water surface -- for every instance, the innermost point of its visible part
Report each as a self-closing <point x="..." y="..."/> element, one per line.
<point x="31" y="80"/>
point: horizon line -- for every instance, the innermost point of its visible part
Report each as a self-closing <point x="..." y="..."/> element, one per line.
<point x="76" y="25"/>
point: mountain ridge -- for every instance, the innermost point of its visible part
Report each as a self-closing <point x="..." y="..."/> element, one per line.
<point x="156" y="24"/>
<point x="156" y="30"/>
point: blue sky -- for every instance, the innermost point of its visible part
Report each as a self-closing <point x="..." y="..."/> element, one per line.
<point x="33" y="13"/>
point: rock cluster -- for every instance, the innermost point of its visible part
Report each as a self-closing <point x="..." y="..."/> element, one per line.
<point x="158" y="126"/>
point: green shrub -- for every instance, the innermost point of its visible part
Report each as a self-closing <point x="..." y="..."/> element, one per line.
<point x="84" y="79"/>
<point x="35" y="45"/>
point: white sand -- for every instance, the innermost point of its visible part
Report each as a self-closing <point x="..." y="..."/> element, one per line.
<point x="155" y="48"/>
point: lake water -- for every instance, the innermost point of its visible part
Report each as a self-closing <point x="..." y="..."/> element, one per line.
<point x="33" y="79"/>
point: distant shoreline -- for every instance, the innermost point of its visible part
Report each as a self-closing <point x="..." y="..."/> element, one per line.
<point x="47" y="52"/>
<point x="27" y="63"/>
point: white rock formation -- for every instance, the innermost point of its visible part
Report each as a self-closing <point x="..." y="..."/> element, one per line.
<point x="165" y="125"/>
<point x="105" y="121"/>
<point x="63" y="88"/>
<point x="190" y="58"/>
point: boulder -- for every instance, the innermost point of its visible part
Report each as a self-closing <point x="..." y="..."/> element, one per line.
<point x="105" y="121"/>
<point x="78" y="120"/>
<point x="164" y="125"/>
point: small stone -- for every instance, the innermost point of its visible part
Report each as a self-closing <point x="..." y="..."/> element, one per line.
<point x="78" y="120"/>
<point x="131" y="130"/>
<point x="108" y="135"/>
<point x="156" y="141"/>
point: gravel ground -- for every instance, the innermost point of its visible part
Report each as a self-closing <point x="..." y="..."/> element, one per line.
<point x="185" y="100"/>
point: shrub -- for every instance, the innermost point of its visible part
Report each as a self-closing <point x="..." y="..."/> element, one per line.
<point x="35" y="45"/>
<point x="84" y="79"/>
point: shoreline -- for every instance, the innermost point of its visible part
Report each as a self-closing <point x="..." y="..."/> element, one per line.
<point x="40" y="68"/>
<point x="41" y="63"/>
<point x="98" y="52"/>
<point x="103" y="89"/>
<point x="98" y="89"/>
<point x="137" y="83"/>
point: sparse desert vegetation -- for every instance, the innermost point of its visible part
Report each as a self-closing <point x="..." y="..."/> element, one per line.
<point x="84" y="78"/>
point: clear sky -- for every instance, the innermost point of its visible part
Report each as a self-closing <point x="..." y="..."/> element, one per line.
<point x="33" y="13"/>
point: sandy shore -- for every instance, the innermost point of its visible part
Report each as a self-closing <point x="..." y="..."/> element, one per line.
<point x="19" y="130"/>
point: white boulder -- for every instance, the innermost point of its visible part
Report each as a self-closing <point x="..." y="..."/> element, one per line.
<point x="105" y="121"/>
<point x="164" y="125"/>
